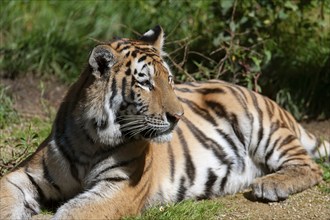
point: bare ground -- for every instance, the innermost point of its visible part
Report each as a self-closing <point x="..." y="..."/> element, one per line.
<point x="35" y="98"/>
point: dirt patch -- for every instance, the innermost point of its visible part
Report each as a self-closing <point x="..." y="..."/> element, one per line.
<point x="34" y="97"/>
<point x="310" y="204"/>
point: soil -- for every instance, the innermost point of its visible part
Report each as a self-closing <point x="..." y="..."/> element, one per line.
<point x="31" y="96"/>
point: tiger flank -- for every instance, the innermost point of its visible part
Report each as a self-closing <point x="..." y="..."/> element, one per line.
<point x="126" y="138"/>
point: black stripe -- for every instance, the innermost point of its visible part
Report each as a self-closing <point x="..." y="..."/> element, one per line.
<point x="291" y="123"/>
<point x="36" y="186"/>
<point x="233" y="146"/>
<point x="124" y="48"/>
<point x="134" y="53"/>
<point x="113" y="179"/>
<point x="118" y="45"/>
<point x="146" y="186"/>
<point x="287" y="140"/>
<point x="68" y="155"/>
<point x="119" y="164"/>
<point x="224" y="180"/>
<point x="285" y="162"/>
<point x="183" y="90"/>
<point x="128" y="71"/>
<point x="285" y="152"/>
<point x="199" y="111"/>
<point x="142" y="58"/>
<point x="182" y="190"/>
<point x="132" y="94"/>
<point x="74" y="172"/>
<point x="273" y="128"/>
<point x="240" y="96"/>
<point x="65" y="147"/>
<point x="270" y="153"/>
<point x="218" y="108"/>
<point x="211" y="179"/>
<point x="172" y="160"/>
<point x="300" y="165"/>
<point x="190" y="167"/>
<point x="109" y="179"/>
<point x="113" y="91"/>
<point x="206" y="142"/>
<point x="206" y="91"/>
<point x="221" y="111"/>
<point x="128" y="64"/>
<point x="209" y="143"/>
<point x="241" y="91"/>
<point x="123" y="88"/>
<point x="14" y="184"/>
<point x="127" y="54"/>
<point x="47" y="175"/>
<point x="280" y="112"/>
<point x="269" y="108"/>
<point x="260" y="118"/>
<point x="236" y="129"/>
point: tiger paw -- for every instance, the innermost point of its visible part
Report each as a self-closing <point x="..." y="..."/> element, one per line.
<point x="271" y="189"/>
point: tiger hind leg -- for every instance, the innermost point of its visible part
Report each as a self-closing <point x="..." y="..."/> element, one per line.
<point x="293" y="170"/>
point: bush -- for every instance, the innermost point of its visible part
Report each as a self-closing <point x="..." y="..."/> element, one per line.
<point x="278" y="47"/>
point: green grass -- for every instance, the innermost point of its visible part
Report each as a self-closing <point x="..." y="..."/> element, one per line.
<point x="325" y="166"/>
<point x="205" y="209"/>
<point x="7" y="113"/>
<point x="19" y="136"/>
<point x="20" y="139"/>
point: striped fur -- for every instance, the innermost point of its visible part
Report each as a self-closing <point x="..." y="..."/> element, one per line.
<point x="120" y="142"/>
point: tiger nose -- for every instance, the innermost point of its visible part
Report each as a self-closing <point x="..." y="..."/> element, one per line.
<point x="173" y="118"/>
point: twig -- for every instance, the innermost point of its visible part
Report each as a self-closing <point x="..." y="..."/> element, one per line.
<point x="202" y="55"/>
<point x="181" y="69"/>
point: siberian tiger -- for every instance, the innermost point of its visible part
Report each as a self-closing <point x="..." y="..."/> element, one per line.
<point x="126" y="138"/>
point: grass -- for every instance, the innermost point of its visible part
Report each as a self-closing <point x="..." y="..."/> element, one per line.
<point x="7" y="113"/>
<point x="21" y="140"/>
<point x="19" y="136"/>
<point x="205" y="209"/>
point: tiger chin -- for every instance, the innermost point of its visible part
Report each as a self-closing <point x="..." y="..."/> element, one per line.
<point x="126" y="138"/>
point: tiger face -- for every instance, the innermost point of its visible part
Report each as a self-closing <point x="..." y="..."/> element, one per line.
<point x="133" y="90"/>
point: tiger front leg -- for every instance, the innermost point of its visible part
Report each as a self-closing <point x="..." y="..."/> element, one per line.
<point x="18" y="196"/>
<point x="104" y="201"/>
<point x="289" y="180"/>
<point x="295" y="171"/>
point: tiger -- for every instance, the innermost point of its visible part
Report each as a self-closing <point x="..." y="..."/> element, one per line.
<point x="125" y="138"/>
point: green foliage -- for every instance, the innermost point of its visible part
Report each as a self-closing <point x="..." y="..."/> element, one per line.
<point x="281" y="48"/>
<point x="19" y="139"/>
<point x="205" y="209"/>
<point x="7" y="112"/>
<point x="326" y="175"/>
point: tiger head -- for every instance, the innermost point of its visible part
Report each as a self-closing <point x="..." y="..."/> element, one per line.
<point x="130" y="94"/>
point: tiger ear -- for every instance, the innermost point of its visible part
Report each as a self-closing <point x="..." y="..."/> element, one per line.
<point x="101" y="60"/>
<point x="155" y="37"/>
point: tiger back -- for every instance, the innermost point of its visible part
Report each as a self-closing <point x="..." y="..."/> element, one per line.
<point x="125" y="138"/>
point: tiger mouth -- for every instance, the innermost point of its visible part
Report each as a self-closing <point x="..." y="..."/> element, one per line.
<point x="150" y="134"/>
<point x="157" y="128"/>
<point x="144" y="126"/>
